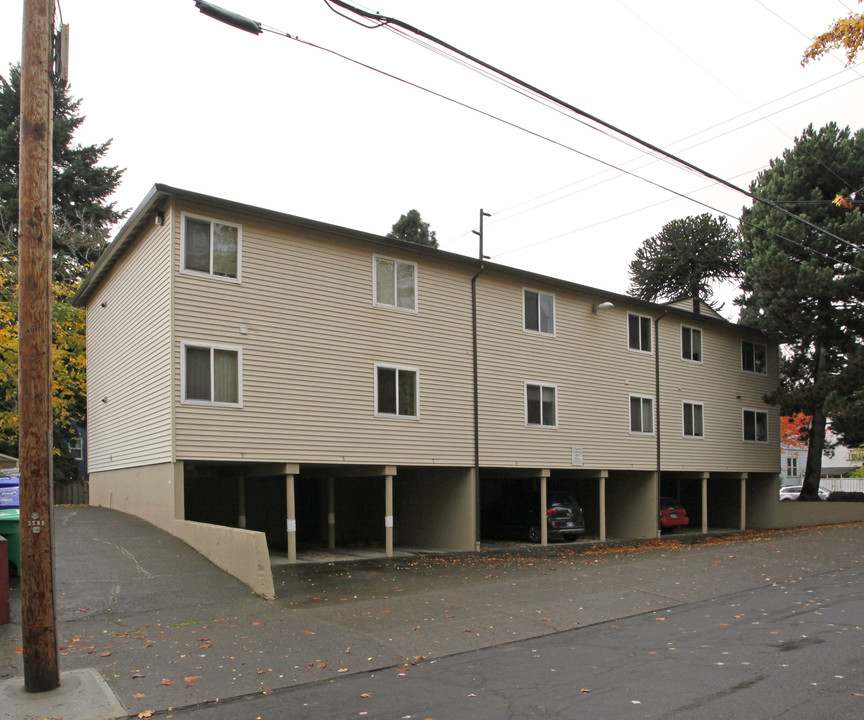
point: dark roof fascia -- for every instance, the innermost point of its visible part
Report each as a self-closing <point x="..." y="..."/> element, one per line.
<point x="160" y="193"/>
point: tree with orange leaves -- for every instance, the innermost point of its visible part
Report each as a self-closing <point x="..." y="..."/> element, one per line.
<point x="846" y="33"/>
<point x="795" y="430"/>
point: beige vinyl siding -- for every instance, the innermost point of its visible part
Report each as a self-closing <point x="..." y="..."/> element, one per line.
<point x="312" y="340"/>
<point x="725" y="391"/>
<point x="588" y="360"/>
<point x="129" y="360"/>
<point x="705" y="309"/>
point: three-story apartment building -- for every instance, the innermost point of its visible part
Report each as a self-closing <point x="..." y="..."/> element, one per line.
<point x="254" y="374"/>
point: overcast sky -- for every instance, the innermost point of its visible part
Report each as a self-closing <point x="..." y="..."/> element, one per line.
<point x="273" y="122"/>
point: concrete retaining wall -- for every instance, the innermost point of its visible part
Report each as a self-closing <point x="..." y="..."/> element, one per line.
<point x="241" y="553"/>
<point x="764" y="510"/>
<point x="155" y="494"/>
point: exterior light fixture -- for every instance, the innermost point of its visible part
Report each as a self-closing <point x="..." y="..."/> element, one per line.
<point x="602" y="306"/>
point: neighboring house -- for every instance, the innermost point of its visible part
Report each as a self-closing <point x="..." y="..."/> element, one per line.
<point x="252" y="369"/>
<point x="836" y="466"/>
<point x="77" y="447"/>
<point x="793" y="461"/>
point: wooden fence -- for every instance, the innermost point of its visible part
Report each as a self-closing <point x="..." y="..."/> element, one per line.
<point x="72" y="492"/>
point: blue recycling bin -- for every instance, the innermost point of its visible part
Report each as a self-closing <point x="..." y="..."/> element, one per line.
<point x="9" y="492"/>
<point x="10" y="520"/>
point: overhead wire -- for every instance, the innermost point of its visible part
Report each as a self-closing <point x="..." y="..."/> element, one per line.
<point x="647" y="145"/>
<point x="563" y="145"/>
<point x="727" y="214"/>
<point x="831" y="55"/>
<point x="700" y="132"/>
<point x="560" y="144"/>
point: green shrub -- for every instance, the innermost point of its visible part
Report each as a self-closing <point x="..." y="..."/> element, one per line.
<point x="842" y="496"/>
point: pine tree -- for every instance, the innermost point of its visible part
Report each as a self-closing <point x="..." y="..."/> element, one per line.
<point x="805" y="288"/>
<point x="83" y="214"/>
<point x="410" y="227"/>
<point x="684" y="258"/>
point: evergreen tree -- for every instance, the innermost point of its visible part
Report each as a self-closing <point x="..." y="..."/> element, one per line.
<point x="410" y="227"/>
<point x="805" y="288"/>
<point x="83" y="215"/>
<point x="684" y="258"/>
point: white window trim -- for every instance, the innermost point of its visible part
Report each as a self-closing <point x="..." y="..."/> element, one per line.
<point x="792" y="464"/>
<point x="198" y="273"/>
<point x="627" y="333"/>
<point x="701" y="345"/>
<point x="630" y="417"/>
<point x="396" y="415"/>
<point x="76" y="447"/>
<point x="684" y="434"/>
<point x="754" y="372"/>
<point x="554" y="313"/>
<point x="210" y="346"/>
<point x="767" y="433"/>
<point x="541" y="385"/>
<point x="416" y="309"/>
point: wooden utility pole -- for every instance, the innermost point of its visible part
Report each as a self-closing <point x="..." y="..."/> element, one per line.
<point x="38" y="621"/>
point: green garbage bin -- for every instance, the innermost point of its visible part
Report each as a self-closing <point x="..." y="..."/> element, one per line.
<point x="10" y="529"/>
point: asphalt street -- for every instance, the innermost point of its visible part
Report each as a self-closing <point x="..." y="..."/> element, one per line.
<point x="790" y="651"/>
<point x="515" y="631"/>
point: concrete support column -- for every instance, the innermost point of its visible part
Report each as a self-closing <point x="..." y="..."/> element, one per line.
<point x="291" y="508"/>
<point x="388" y="514"/>
<point x="241" y="502"/>
<point x="179" y="492"/>
<point x="544" y="526"/>
<point x="704" y="505"/>
<point x="601" y="487"/>
<point x="331" y="513"/>
<point x="744" y="502"/>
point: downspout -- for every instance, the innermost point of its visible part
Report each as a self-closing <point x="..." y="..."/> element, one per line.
<point x="481" y="258"/>
<point x="657" y="413"/>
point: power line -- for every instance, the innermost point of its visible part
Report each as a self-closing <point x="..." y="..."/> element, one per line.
<point x="690" y="147"/>
<point x="385" y="20"/>
<point x="252" y="26"/>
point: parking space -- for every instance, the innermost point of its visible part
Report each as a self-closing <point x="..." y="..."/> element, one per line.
<point x="512" y="509"/>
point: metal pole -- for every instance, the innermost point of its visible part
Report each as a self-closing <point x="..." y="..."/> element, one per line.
<point x="481" y="258"/>
<point x="39" y="628"/>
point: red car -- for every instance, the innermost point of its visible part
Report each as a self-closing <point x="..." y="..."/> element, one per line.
<point x="672" y="513"/>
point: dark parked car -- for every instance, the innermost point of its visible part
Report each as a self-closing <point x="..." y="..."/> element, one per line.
<point x="672" y="513"/>
<point x="516" y="515"/>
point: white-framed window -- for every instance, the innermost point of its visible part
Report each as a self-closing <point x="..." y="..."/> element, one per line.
<point x="76" y="448"/>
<point x="395" y="284"/>
<point x="639" y="332"/>
<point x="211" y="248"/>
<point x="792" y="466"/>
<point x="641" y="414"/>
<point x="541" y="405"/>
<point x="691" y="344"/>
<point x="211" y="374"/>
<point x="694" y="419"/>
<point x="754" y="357"/>
<point x="396" y="391"/>
<point x="755" y="426"/>
<point x="538" y="311"/>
